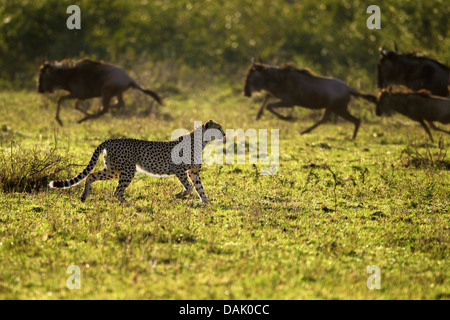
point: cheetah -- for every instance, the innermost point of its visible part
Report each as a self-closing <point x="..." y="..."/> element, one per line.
<point x="122" y="157"/>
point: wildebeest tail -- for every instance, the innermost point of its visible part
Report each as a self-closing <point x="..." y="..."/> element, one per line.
<point x="151" y="93"/>
<point x="368" y="97"/>
<point x="74" y="181"/>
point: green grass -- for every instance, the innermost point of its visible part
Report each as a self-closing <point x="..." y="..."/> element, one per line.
<point x="335" y="207"/>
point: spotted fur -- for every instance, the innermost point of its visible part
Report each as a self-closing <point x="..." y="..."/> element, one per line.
<point x="121" y="158"/>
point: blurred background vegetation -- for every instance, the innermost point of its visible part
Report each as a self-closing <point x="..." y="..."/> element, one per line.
<point x="218" y="37"/>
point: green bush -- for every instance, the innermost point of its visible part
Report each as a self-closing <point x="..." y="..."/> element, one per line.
<point x="219" y="35"/>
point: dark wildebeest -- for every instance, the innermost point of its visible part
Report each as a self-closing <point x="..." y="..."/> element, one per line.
<point x="87" y="79"/>
<point x="412" y="71"/>
<point x="295" y="87"/>
<point x="420" y="106"/>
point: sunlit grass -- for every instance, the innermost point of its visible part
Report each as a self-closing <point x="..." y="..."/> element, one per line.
<point x="335" y="207"/>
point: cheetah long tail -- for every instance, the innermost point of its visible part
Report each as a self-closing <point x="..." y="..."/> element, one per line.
<point x="73" y="182"/>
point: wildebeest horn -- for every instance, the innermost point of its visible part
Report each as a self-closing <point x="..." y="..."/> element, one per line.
<point x="46" y="65"/>
<point x="395" y="47"/>
<point x="252" y="61"/>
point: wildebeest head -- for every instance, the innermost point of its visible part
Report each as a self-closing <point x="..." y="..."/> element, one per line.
<point x="254" y="81"/>
<point x="380" y="108"/>
<point x="49" y="78"/>
<point x="387" y="68"/>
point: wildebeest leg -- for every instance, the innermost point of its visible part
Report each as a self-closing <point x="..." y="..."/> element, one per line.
<point x="60" y="100"/>
<point x="347" y="116"/>
<point x="77" y="107"/>
<point x="280" y="104"/>
<point x="426" y="129"/>
<point x="324" y="119"/>
<point x="120" y="103"/>
<point x="106" y="98"/>
<point x="105" y="107"/>
<point x="263" y="105"/>
<point x="291" y="114"/>
<point x="432" y="126"/>
<point x="118" y="108"/>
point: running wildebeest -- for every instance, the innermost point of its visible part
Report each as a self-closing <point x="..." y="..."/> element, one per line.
<point x="300" y="87"/>
<point x="412" y="71"/>
<point x="420" y="106"/>
<point x="87" y="79"/>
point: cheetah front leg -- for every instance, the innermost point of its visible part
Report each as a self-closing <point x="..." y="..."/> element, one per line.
<point x="194" y="175"/>
<point x="182" y="177"/>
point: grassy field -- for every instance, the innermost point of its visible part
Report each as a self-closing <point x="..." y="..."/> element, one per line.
<point x="335" y="207"/>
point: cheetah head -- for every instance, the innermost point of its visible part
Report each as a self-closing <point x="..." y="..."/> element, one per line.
<point x="213" y="131"/>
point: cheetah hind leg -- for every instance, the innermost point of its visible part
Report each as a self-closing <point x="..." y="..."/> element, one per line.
<point x="124" y="182"/>
<point x="104" y="174"/>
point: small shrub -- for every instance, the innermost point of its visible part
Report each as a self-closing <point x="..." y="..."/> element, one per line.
<point x="29" y="169"/>
<point x="412" y="156"/>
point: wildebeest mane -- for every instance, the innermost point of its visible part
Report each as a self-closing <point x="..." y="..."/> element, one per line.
<point x="71" y="63"/>
<point x="290" y="67"/>
<point x="287" y="67"/>
<point x="404" y="90"/>
<point x="420" y="57"/>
